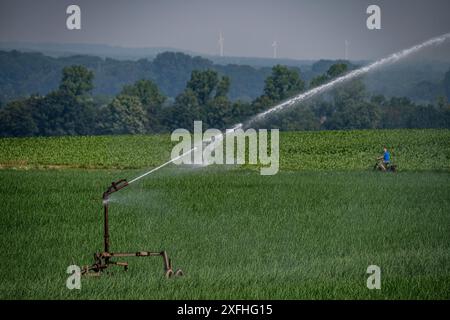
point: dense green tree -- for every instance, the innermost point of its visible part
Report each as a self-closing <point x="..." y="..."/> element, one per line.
<point x="171" y="70"/>
<point x="322" y="66"/>
<point x="283" y="83"/>
<point x="240" y="111"/>
<point x="337" y="70"/>
<point x="223" y="87"/>
<point x="69" y="110"/>
<point x="260" y="104"/>
<point x="354" y="91"/>
<point x="151" y="99"/>
<point x="378" y="99"/>
<point x="219" y="113"/>
<point x="351" y="110"/>
<point x="22" y="74"/>
<point x="322" y="109"/>
<point x="16" y="120"/>
<point x="147" y="92"/>
<point x="318" y="81"/>
<point x="183" y="113"/>
<point x="141" y="107"/>
<point x="205" y="98"/>
<point x="333" y="72"/>
<point x="396" y="112"/>
<point x="357" y="115"/>
<point x="203" y="84"/>
<point x="76" y="80"/>
<point x="124" y="115"/>
<point x="60" y="113"/>
<point x="298" y="118"/>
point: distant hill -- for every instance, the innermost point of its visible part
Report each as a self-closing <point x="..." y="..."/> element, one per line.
<point x="100" y="50"/>
<point x="420" y="81"/>
<point x="127" y="53"/>
<point x="26" y="73"/>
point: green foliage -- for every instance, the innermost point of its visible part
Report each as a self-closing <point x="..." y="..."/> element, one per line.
<point x="318" y="81"/>
<point x="360" y="115"/>
<point x="124" y="151"/>
<point x="337" y="70"/>
<point x="16" y="119"/>
<point x="205" y="98"/>
<point x="236" y="234"/>
<point x="219" y="113"/>
<point x="321" y="150"/>
<point x="334" y="71"/>
<point x="323" y="65"/>
<point x="327" y="212"/>
<point x="283" y="83"/>
<point x="151" y="99"/>
<point x="299" y="119"/>
<point x="260" y="104"/>
<point x="352" y="110"/>
<point x="203" y="84"/>
<point x="182" y="114"/>
<point x="172" y="70"/>
<point x="124" y="115"/>
<point x="23" y="74"/>
<point x="147" y="92"/>
<point x="66" y="111"/>
<point x="71" y="110"/>
<point x="421" y="81"/>
<point x="223" y="87"/>
<point x="349" y="150"/>
<point x="76" y="81"/>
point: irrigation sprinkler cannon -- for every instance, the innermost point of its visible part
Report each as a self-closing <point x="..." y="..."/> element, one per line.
<point x="103" y="260"/>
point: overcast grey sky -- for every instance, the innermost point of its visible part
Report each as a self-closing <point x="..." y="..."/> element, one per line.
<point x="304" y="29"/>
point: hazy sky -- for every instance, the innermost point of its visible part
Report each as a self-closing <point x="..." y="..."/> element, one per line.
<point x="304" y="29"/>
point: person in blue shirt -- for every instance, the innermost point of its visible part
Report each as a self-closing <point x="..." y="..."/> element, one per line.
<point x="385" y="159"/>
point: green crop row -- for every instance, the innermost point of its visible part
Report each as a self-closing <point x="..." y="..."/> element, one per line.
<point x="321" y="150"/>
<point x="410" y="149"/>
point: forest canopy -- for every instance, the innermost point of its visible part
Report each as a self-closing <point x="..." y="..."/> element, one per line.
<point x="142" y="107"/>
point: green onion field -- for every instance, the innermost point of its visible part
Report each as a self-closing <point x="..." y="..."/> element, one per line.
<point x="309" y="232"/>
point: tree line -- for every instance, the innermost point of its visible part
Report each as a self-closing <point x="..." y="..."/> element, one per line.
<point x="141" y="107"/>
<point x="26" y="73"/>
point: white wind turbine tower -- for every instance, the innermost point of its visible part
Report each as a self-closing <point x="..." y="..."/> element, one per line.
<point x="347" y="43"/>
<point x="221" y="44"/>
<point x="275" y="48"/>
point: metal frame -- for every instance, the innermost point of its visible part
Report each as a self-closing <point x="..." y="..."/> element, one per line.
<point x="102" y="260"/>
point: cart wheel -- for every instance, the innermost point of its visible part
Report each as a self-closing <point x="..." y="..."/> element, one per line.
<point x="179" y="273"/>
<point x="169" y="273"/>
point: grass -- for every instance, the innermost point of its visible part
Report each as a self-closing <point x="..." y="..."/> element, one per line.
<point x="236" y="234"/>
<point x="323" y="150"/>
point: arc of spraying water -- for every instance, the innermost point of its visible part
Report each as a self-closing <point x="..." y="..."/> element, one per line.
<point x="163" y="165"/>
<point x="349" y="76"/>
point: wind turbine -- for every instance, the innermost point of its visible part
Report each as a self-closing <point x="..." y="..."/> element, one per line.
<point x="275" y="47"/>
<point x="347" y="43"/>
<point x="221" y="42"/>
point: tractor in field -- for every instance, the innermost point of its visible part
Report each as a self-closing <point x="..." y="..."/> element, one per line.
<point x="384" y="162"/>
<point x="384" y="167"/>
